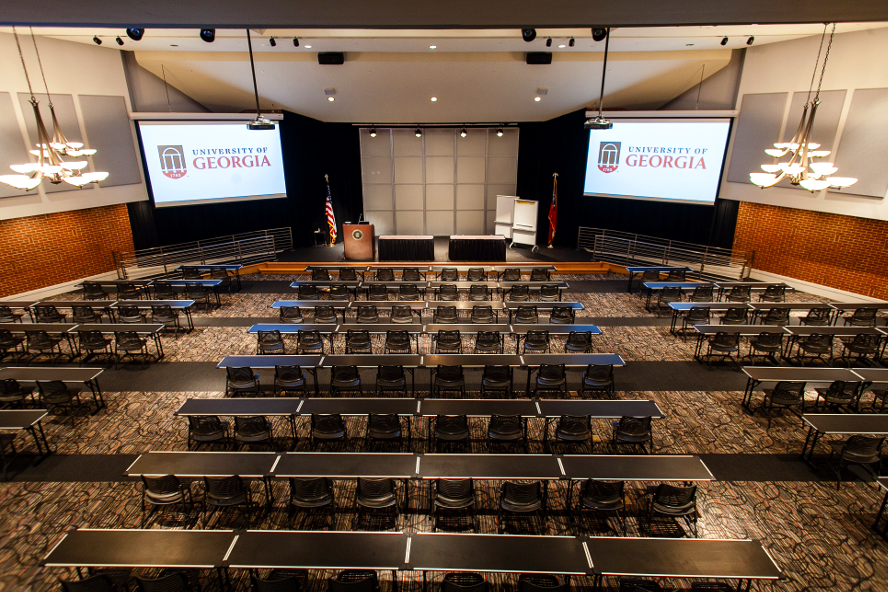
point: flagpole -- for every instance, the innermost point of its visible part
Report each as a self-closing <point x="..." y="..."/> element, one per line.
<point x="553" y="210"/>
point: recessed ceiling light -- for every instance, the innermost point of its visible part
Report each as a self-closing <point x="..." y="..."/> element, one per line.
<point x="331" y="99"/>
<point x="537" y="99"/>
<point x="562" y="46"/>
<point x="433" y="47"/>
<point x="499" y="133"/>
<point x="174" y="45"/>
<point x="434" y="99"/>
<point x="308" y="47"/>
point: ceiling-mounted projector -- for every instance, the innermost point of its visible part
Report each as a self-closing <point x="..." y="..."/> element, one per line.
<point x="259" y="124"/>
<point x="598" y="123"/>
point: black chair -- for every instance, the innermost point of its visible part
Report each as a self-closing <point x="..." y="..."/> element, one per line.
<point x="489" y="342"/>
<point x="633" y="431"/>
<point x="93" y="291"/>
<point x="736" y="315"/>
<point x="327" y="427"/>
<point x="519" y="293"/>
<point x="241" y="379"/>
<point x="860" y="347"/>
<point x="451" y="428"/>
<point x="521" y="498"/>
<point x="221" y="274"/>
<point x="164" y="313"/>
<point x="549" y="293"/>
<point x="348" y="275"/>
<point x="536" y="342"/>
<point x="775" y="316"/>
<point x="191" y="273"/>
<point x="818" y="345"/>
<point x="411" y="274"/>
<point x="786" y="395"/>
<point x="562" y="315"/>
<point x="307" y="292"/>
<point x="253" y="430"/>
<point x="353" y="581"/>
<point x="673" y="502"/>
<point x="311" y="493"/>
<point x="445" y="315"/>
<point x="449" y="274"/>
<point x="207" y="429"/>
<point x="408" y="292"/>
<point x="358" y="342"/>
<point x="81" y="314"/>
<point x="345" y="378"/>
<point x="476" y="274"/>
<point x="198" y="292"/>
<point x="723" y="345"/>
<point x="464" y="581"/>
<point x="7" y="315"/>
<point x="539" y="275"/>
<point x="773" y="294"/>
<point x="93" y="343"/>
<point x="401" y="314"/>
<point x="390" y="378"/>
<point x="11" y="342"/>
<point x="55" y="393"/>
<point x="385" y="275"/>
<point x="228" y="492"/>
<point x="677" y="275"/>
<point x="862" y="317"/>
<point x="602" y="496"/>
<point x="375" y="493"/>
<point x="166" y="490"/>
<point x="309" y="341"/>
<point x="367" y="313"/>
<point x="452" y="494"/>
<point x="650" y="275"/>
<point x="320" y="275"/>
<point x="699" y="315"/>
<point x="384" y="427"/>
<point x="578" y="342"/>
<point x="276" y="581"/>
<point x="448" y="378"/>
<point x="128" y="291"/>
<point x="817" y="317"/>
<point x="551" y="377"/>
<point x="397" y="342"/>
<point x="769" y="343"/>
<point x="448" y="341"/>
<point x="573" y="430"/>
<point x="479" y="293"/>
<point x="511" y="274"/>
<point x="857" y="450"/>
<point x="838" y="395"/>
<point x="97" y="583"/>
<point x="377" y="292"/>
<point x="324" y="313"/>
<point x="507" y="429"/>
<point x="130" y="314"/>
<point x="44" y="343"/>
<point x="338" y="292"/>
<point x="164" y="291"/>
<point x="497" y="378"/>
<point x="288" y="379"/>
<point x="48" y="314"/>
<point x="666" y="296"/>
<point x="701" y="294"/>
<point x="270" y="342"/>
<point x="527" y="315"/>
<point x="631" y="584"/>
<point x="14" y="394"/>
<point x="598" y="377"/>
<point x="483" y="314"/>
<point x="739" y="294"/>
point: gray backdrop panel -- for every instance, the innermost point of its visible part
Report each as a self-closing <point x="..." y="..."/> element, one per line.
<point x="12" y="148"/>
<point x="67" y="116"/>
<point x="826" y="123"/>
<point x="110" y="132"/>
<point x="758" y="127"/>
<point x="865" y="143"/>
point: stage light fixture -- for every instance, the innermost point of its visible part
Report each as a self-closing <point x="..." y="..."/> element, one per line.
<point x="750" y="41"/>
<point x="97" y="41"/>
<point x="418" y="133"/>
<point x="208" y="35"/>
<point x="272" y="42"/>
<point x="295" y="42"/>
<point x="499" y="133"/>
<point x="528" y="34"/>
<point x="119" y="41"/>
<point x="372" y="132"/>
<point x="724" y="41"/>
<point x="463" y="133"/>
<point x="599" y="33"/>
<point x="571" y="42"/>
<point x="549" y="42"/>
<point x="135" y="33"/>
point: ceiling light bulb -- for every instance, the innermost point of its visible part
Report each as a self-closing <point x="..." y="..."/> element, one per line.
<point x="561" y="46"/>
<point x="823" y="168"/>
<point x="308" y="47"/>
<point x="434" y="99"/>
<point x="537" y="99"/>
<point x="331" y="99"/>
<point x="372" y="132"/>
<point x="814" y="184"/>
<point x="433" y="47"/>
<point x="418" y="133"/>
<point x="462" y="133"/>
<point x="771" y="168"/>
<point x="20" y="181"/>
<point x="763" y="179"/>
<point x="499" y="133"/>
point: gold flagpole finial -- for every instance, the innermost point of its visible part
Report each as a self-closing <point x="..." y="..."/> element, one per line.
<point x="554" y="174"/>
<point x="326" y="178"/>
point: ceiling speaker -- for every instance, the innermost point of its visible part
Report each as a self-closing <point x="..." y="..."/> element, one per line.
<point x="539" y="57"/>
<point x="331" y="58"/>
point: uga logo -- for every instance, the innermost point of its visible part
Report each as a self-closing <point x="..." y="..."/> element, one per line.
<point x="608" y="156"/>
<point x="172" y="161"/>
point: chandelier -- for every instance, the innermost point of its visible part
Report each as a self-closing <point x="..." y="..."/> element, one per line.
<point x="50" y="152"/>
<point x="800" y="169"/>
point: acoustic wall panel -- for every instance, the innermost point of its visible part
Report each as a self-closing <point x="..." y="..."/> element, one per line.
<point x="474" y="144"/>
<point x="470" y="169"/>
<point x="439" y="223"/>
<point x="67" y="116"/>
<point x="408" y="170"/>
<point x="408" y="197"/>
<point x="110" y="132"/>
<point x="756" y="129"/>
<point x="469" y="197"/>
<point x="438" y="142"/>
<point x="376" y="170"/>
<point x="12" y="147"/>
<point x="377" y="197"/>
<point x="439" y="197"/>
<point x="381" y="145"/>
<point x="864" y="143"/>
<point x="406" y="143"/>
<point x="439" y="169"/>
<point x="505" y="145"/>
<point x="826" y="122"/>
<point x="383" y="222"/>
<point x="409" y="222"/>
<point x="470" y="222"/>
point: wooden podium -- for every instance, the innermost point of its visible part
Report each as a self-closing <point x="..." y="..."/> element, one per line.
<point x="358" y="241"/>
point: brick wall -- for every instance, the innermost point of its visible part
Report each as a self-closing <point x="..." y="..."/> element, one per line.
<point x="39" y="251"/>
<point x="842" y="252"/>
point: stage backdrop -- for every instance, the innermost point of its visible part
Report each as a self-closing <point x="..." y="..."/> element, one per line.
<point x="310" y="149"/>
<point x="561" y="145"/>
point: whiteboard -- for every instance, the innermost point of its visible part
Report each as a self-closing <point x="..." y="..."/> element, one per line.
<point x="526" y="214"/>
<point x="505" y="205"/>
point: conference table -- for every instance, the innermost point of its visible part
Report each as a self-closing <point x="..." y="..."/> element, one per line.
<point x="28" y="420"/>
<point x="468" y="247"/>
<point x="397" y="247"/>
<point x="640" y="270"/>
<point x="798" y="331"/>
<point x="233" y="267"/>
<point x="141" y="285"/>
<point x="756" y="286"/>
<point x="214" y="284"/>
<point x="652" y="287"/>
<point x="472" y="329"/>
<point x="513" y="307"/>
<point x="309" y="363"/>
<point x="461" y="305"/>
<point x="869" y="377"/>
<point x="491" y="269"/>
<point x="756" y="375"/>
<point x="62" y="329"/>
<point x="152" y="329"/>
<point x="339" y="306"/>
<point x="350" y="285"/>
<point x="327" y="330"/>
<point x="86" y="376"/>
<point x="841" y="307"/>
<point x="704" y="331"/>
<point x="820" y="424"/>
<point x="883" y="485"/>
<point x="22" y="304"/>
<point x="244" y="407"/>
<point x="760" y="309"/>
<point x="558" y="329"/>
<point x="491" y="286"/>
<point x="414" y="330"/>
<point x="420" y="285"/>
<point x="506" y="287"/>
<point x="183" y="305"/>
<point x="684" y="307"/>
<point x="105" y="307"/>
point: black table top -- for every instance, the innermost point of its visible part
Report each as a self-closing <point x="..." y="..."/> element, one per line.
<point x="681" y="558"/>
<point x="204" y="464"/>
<point x="683" y="285"/>
<point x="464" y="285"/>
<point x="293" y="328"/>
<point x="872" y="374"/>
<point x="119" y="282"/>
<point x="642" y="268"/>
<point x="599" y="408"/>
<point x="256" y="549"/>
<point x="490" y="466"/>
<point x="498" y="553"/>
<point x="19" y="303"/>
<point x="574" y="360"/>
<point x="772" y="374"/>
<point x="660" y="467"/>
<point x="761" y="285"/>
<point x="838" y="423"/>
<point x="360" y="406"/>
<point x="121" y="327"/>
<point x="240" y="406"/>
<point x="789" y="305"/>
<point x="183" y="283"/>
<point x="269" y="361"/>
<point x="390" y="303"/>
<point x="395" y="283"/>
<point x="840" y="331"/>
<point x="380" y="328"/>
<point x="150" y="303"/>
<point x="372" y="360"/>
<point x="556" y="329"/>
<point x="478" y="407"/>
<point x="336" y="267"/>
<point x="471" y="328"/>
<point x="561" y="285"/>
<point x="737" y="329"/>
<point x="18" y="419"/>
<point x="32" y="374"/>
<point x="544" y="305"/>
<point x="73" y="303"/>
<point x="843" y="306"/>
<point x="48" y="327"/>
<point x="712" y="305"/>
<point x="311" y="303"/>
<point x="141" y="548"/>
<point x="347" y="465"/>
<point x="466" y="305"/>
<point x="326" y="283"/>
<point x="478" y="360"/>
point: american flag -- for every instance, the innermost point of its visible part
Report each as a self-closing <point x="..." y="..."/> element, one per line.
<point x="331" y="219"/>
<point x="553" y="210"/>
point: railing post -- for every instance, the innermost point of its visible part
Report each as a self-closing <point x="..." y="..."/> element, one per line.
<point x="628" y="252"/>
<point x="239" y="255"/>
<point x="164" y="263"/>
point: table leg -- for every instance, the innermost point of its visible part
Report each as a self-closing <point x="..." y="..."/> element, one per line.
<point x="158" y="344"/>
<point x="631" y="276"/>
<point x="189" y="318"/>
<point x="674" y="320"/>
<point x="314" y="373"/>
<point x="269" y="497"/>
<point x="879" y="516"/>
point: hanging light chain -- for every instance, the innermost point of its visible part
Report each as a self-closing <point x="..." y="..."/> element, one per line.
<point x="28" y="78"/>
<point x="825" y="59"/>
<point x="39" y="63"/>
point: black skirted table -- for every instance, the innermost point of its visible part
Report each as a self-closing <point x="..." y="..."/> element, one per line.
<point x="477" y="248"/>
<point x="399" y="247"/>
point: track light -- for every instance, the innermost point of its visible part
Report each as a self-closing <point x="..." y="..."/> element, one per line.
<point x="272" y="42"/>
<point x="724" y="41"/>
<point x="208" y="35"/>
<point x="750" y="41"/>
<point x="599" y="33"/>
<point x="295" y="42"/>
<point x="499" y="133"/>
<point x="528" y="34"/>
<point x="463" y="133"/>
<point x="549" y="42"/>
<point x="372" y="132"/>
<point x="418" y="133"/>
<point x="571" y="42"/>
<point x="135" y="33"/>
<point x="97" y="41"/>
<point x="119" y="41"/>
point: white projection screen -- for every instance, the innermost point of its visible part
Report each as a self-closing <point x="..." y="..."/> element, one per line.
<point x="663" y="159"/>
<point x="192" y="163"/>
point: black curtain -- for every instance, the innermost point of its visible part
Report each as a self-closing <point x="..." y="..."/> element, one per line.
<point x="311" y="149"/>
<point x="561" y="145"/>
